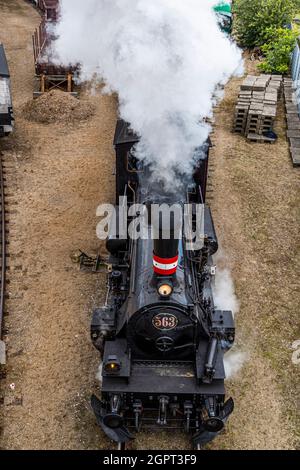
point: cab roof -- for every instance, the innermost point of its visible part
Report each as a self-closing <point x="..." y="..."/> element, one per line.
<point x="124" y="134"/>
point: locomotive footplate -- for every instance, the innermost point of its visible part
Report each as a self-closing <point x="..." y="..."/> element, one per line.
<point x="164" y="395"/>
<point x="151" y="393"/>
<point x="153" y="379"/>
<point x="159" y="377"/>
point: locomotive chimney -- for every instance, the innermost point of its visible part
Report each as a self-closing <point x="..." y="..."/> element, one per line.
<point x="167" y="232"/>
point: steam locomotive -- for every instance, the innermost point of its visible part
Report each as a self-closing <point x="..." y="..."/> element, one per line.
<point x="6" y="111"/>
<point x="161" y="338"/>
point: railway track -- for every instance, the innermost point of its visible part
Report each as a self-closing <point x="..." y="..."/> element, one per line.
<point x="2" y="260"/>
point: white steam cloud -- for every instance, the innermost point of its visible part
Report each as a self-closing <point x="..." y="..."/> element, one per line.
<point x="233" y="362"/>
<point x="164" y="58"/>
<point x="226" y="299"/>
<point x="224" y="292"/>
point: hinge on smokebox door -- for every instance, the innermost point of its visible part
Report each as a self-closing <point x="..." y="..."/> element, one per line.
<point x="93" y="264"/>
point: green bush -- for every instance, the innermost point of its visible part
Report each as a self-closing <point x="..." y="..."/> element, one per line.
<point x="277" y="50"/>
<point x="253" y="18"/>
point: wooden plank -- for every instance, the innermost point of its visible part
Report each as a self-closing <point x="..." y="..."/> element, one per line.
<point x="294" y="142"/>
<point x="269" y="111"/>
<point x="291" y="108"/>
<point x="271" y="96"/>
<point x="244" y="101"/>
<point x="293" y="134"/>
<point x="293" y="116"/>
<point x="256" y="107"/>
<point x="272" y="90"/>
<point x="295" y="154"/>
<point x="246" y="92"/>
<point x="294" y="125"/>
<point x="247" y="87"/>
<point x="259" y="88"/>
<point x="242" y="107"/>
<point x="270" y="103"/>
<point x="260" y="138"/>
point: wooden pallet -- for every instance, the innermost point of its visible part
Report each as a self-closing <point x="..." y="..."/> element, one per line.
<point x="293" y="123"/>
<point x="260" y="139"/>
<point x="257" y="105"/>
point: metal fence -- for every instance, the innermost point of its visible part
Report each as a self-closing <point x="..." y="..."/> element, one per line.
<point x="296" y="63"/>
<point x="296" y="71"/>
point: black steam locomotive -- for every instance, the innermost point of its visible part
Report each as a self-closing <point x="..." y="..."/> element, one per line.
<point x="6" y="111"/>
<point x="161" y="338"/>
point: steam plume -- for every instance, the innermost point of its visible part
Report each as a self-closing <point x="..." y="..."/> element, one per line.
<point x="226" y="299"/>
<point x="233" y="362"/>
<point x="224" y="292"/>
<point x="164" y="58"/>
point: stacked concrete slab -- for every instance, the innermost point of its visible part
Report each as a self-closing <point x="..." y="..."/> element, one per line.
<point x="293" y="120"/>
<point x="256" y="108"/>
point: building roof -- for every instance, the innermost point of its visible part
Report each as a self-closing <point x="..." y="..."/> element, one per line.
<point x="4" y="72"/>
<point x="123" y="134"/>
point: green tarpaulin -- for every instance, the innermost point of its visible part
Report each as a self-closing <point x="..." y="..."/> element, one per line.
<point x="223" y="7"/>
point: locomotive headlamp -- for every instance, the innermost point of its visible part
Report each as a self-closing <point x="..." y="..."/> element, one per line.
<point x="165" y="289"/>
<point x="112" y="365"/>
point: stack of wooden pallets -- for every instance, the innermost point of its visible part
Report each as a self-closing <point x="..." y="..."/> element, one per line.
<point x="256" y="108"/>
<point x="293" y="120"/>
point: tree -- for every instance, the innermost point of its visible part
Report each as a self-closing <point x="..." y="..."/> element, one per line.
<point x="253" y="18"/>
<point x="297" y="5"/>
<point x="277" y="50"/>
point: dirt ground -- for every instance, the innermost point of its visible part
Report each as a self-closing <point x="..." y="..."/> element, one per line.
<point x="256" y="202"/>
<point x="62" y="173"/>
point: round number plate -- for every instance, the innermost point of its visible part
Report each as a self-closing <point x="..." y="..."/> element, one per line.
<point x="165" y="321"/>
